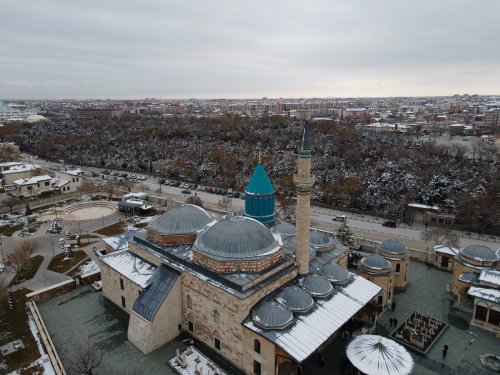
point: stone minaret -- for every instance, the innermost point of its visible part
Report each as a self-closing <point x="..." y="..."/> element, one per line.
<point x="303" y="182"/>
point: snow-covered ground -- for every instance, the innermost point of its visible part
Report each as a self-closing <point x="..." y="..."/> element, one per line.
<point x="89" y="267"/>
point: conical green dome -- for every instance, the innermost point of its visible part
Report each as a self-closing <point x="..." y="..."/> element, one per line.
<point x="259" y="182"/>
<point x="259" y="197"/>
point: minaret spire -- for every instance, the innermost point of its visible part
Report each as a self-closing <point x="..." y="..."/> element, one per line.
<point x="303" y="182"/>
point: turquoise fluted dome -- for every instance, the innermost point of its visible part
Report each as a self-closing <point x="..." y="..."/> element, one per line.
<point x="259" y="197"/>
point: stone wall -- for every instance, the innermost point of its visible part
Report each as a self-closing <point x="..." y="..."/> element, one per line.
<point x="52" y="291"/>
<point x="148" y="336"/>
<point x="266" y="357"/>
<point x="216" y="313"/>
<point x="90" y="278"/>
<point x="111" y="288"/>
<point x="171" y="239"/>
<point x="383" y="280"/>
<point x="238" y="265"/>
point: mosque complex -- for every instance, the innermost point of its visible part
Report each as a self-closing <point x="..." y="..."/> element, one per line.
<point x="263" y="294"/>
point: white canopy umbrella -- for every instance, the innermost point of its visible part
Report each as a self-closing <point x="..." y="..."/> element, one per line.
<point x="377" y="355"/>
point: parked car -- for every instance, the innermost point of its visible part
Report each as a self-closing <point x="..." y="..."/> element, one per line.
<point x="186" y="191"/>
<point x="390" y="224"/>
<point x="341" y="218"/>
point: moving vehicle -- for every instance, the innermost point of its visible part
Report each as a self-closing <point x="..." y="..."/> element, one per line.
<point x="390" y="224"/>
<point x="341" y="218"/>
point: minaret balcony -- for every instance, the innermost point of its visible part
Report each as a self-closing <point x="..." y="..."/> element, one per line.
<point x="303" y="183"/>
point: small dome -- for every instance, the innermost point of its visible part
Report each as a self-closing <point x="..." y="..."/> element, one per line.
<point x="480" y="253"/>
<point x="376" y="262"/>
<point x="272" y="315"/>
<point x="392" y="247"/>
<point x="316" y="285"/>
<point x="296" y="299"/>
<point x="285" y="229"/>
<point x="237" y="237"/>
<point x="318" y="238"/>
<point x="335" y="274"/>
<point x="290" y="245"/>
<point x="183" y="219"/>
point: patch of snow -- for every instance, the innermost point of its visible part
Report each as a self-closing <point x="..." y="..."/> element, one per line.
<point x="89" y="267"/>
<point x="192" y="361"/>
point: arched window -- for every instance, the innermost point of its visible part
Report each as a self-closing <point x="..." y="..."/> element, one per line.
<point x="189" y="302"/>
<point x="398" y="267"/>
<point x="256" y="346"/>
<point x="216" y="316"/>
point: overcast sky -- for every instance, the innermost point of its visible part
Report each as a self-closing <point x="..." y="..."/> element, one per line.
<point x="248" y="49"/>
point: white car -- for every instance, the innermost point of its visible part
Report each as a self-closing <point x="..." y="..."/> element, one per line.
<point x="340" y="218"/>
<point x="97" y="285"/>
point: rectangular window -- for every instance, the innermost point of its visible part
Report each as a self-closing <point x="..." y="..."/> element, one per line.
<point x="121" y="284"/>
<point x="257" y="368"/>
<point x="123" y="302"/>
<point x="47" y="183"/>
<point x="190" y="326"/>
<point x="217" y="343"/>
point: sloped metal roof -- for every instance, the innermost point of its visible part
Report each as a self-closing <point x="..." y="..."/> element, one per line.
<point x="183" y="219"/>
<point x="149" y="302"/>
<point x="377" y="355"/>
<point x="335" y="273"/>
<point x="490" y="276"/>
<point x="259" y="183"/>
<point x="272" y="315"/>
<point x="376" y="262"/>
<point x="130" y="266"/>
<point x="487" y="294"/>
<point x="295" y="298"/>
<point x="469" y="277"/>
<point x="393" y="247"/>
<point x="316" y="285"/>
<point x="480" y="253"/>
<point x="237" y="237"/>
<point x="311" y="330"/>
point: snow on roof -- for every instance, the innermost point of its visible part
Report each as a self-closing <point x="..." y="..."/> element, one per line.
<point x="10" y="163"/>
<point x="469" y="277"/>
<point x="117" y="242"/>
<point x="423" y="206"/>
<point x="130" y="266"/>
<point x="490" y="277"/>
<point x="445" y="250"/>
<point x="73" y="172"/>
<point x="32" y="180"/>
<point x="58" y="182"/>
<point x="311" y="330"/>
<point x="21" y="168"/>
<point x="487" y="294"/>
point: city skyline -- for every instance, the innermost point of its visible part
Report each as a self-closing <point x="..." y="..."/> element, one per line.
<point x="179" y="50"/>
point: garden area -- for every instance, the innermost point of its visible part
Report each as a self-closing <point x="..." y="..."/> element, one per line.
<point x="28" y="271"/>
<point x="62" y="264"/>
<point x="113" y="229"/>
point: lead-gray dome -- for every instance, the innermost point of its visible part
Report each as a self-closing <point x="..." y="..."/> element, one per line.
<point x="296" y="299"/>
<point x="285" y="229"/>
<point x="237" y="237"/>
<point x="272" y="315"/>
<point x="317" y="238"/>
<point x="316" y="285"/>
<point x="392" y="247"/>
<point x="335" y="274"/>
<point x="290" y="245"/>
<point x="183" y="219"/>
<point x="480" y="253"/>
<point x="376" y="262"/>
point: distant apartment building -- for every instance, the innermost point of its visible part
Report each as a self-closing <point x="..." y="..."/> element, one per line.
<point x="93" y="113"/>
<point x="15" y="112"/>
<point x="353" y="113"/>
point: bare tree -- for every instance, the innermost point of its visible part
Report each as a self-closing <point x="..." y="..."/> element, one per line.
<point x="19" y="259"/>
<point x="194" y="199"/>
<point x="111" y="188"/>
<point x="86" y="358"/>
<point x="441" y="236"/>
<point x="10" y="202"/>
<point x="225" y="203"/>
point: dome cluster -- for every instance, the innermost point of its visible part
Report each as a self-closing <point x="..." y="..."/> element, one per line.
<point x="277" y="313"/>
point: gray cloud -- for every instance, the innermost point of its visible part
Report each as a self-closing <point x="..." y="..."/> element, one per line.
<point x="118" y="49"/>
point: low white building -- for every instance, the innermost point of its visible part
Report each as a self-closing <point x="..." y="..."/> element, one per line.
<point x="13" y="171"/>
<point x="33" y="186"/>
<point x="73" y="178"/>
